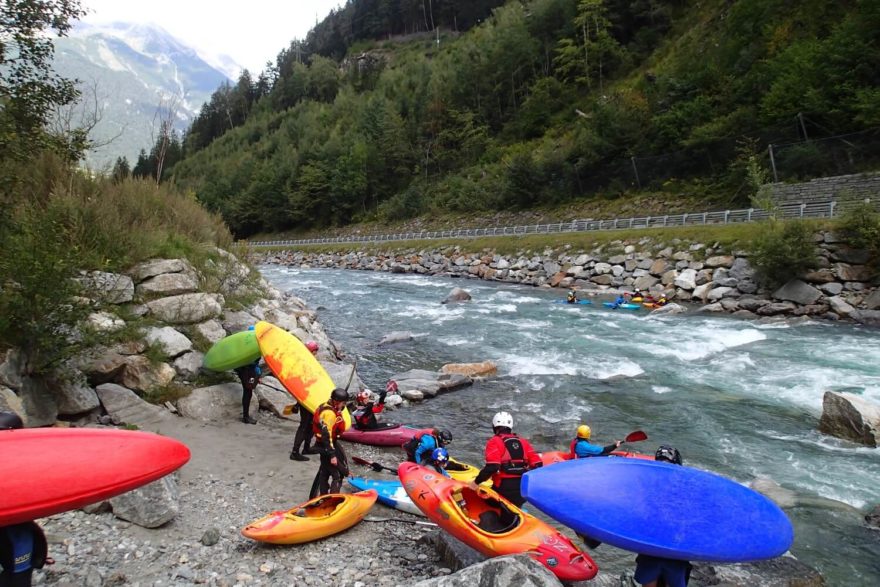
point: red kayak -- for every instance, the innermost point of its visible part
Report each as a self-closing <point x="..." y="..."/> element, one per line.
<point x="45" y="471"/>
<point x="557" y="456"/>
<point x="387" y="435"/>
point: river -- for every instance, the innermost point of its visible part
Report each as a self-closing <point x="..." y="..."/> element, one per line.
<point x="738" y="398"/>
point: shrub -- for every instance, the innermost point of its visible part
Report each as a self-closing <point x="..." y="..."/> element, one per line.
<point x="782" y="251"/>
<point x="861" y="228"/>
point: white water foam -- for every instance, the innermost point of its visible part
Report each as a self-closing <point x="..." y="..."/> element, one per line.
<point x="613" y="368"/>
<point x="660" y="389"/>
<point x="703" y="343"/>
<point x="497" y="309"/>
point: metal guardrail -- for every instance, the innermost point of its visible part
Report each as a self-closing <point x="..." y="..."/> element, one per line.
<point x="805" y="210"/>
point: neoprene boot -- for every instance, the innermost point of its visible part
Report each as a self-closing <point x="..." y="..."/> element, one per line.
<point x="295" y="456"/>
<point x="311" y="450"/>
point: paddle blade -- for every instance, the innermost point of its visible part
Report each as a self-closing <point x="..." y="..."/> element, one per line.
<point x="636" y="436"/>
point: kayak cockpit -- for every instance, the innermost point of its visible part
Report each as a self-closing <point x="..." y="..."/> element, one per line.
<point x="320" y="508"/>
<point x="487" y="513"/>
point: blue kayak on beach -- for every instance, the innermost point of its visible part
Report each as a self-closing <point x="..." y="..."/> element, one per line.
<point x="391" y="493"/>
<point x="660" y="509"/>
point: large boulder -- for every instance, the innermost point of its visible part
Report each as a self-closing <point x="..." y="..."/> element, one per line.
<point x="273" y="397"/>
<point x="872" y="518"/>
<point x="187" y="308"/>
<point x="238" y="321"/>
<point x="867" y="317"/>
<point x="125" y="407"/>
<point x="798" y="292"/>
<point x="150" y="506"/>
<point x="396" y="336"/>
<point x="75" y="395"/>
<point x="457" y="295"/>
<point x="687" y="279"/>
<point x="484" y="369"/>
<point x="189" y="365"/>
<point x="430" y="383"/>
<point x="670" y="308"/>
<point x="39" y="403"/>
<point x="210" y="330"/>
<point x="850" y="417"/>
<point x="155" y="267"/>
<point x="518" y="570"/>
<point x="10" y="402"/>
<point x="168" y="284"/>
<point x="108" y="288"/>
<point x="344" y="376"/>
<point x="12" y="366"/>
<point x="783" y="571"/>
<point x="140" y="374"/>
<point x="217" y="403"/>
<point x="173" y="343"/>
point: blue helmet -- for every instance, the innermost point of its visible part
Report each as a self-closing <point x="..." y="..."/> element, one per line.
<point x="440" y="456"/>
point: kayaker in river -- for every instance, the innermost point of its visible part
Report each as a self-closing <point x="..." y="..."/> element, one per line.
<point x="508" y="457"/>
<point x="440" y="462"/>
<point x="581" y="447"/>
<point x="653" y="571"/>
<point x="327" y="425"/>
<point x="364" y="413"/>
<point x="571" y="298"/>
<point x="419" y="449"/>
<point x="303" y="437"/>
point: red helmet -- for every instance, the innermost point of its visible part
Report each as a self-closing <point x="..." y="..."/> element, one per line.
<point x="312" y="346"/>
<point x="363" y="396"/>
<point x="391" y="386"/>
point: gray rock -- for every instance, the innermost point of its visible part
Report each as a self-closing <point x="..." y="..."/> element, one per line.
<point x="38" y="402"/>
<point x="719" y="292"/>
<point x="150" y="506"/>
<point x="140" y="374"/>
<point x="413" y="395"/>
<point x="217" y="403"/>
<point x="273" y="397"/>
<point x="687" y="279"/>
<point x="108" y="288"/>
<point x="783" y="571"/>
<point x="872" y="519"/>
<point x="187" y="308"/>
<point x="646" y="282"/>
<point x="602" y="268"/>
<point x="720" y="261"/>
<point x="506" y="571"/>
<point x="210" y="537"/>
<point x="839" y="306"/>
<point x="752" y="304"/>
<point x="344" y="376"/>
<point x="105" y="321"/>
<point x="798" y="292"/>
<point x="457" y="295"/>
<point x="10" y="402"/>
<point x="867" y="317"/>
<point x="155" y="267"/>
<point x="776" y="308"/>
<point x="747" y="287"/>
<point x="741" y="269"/>
<point x="711" y="308"/>
<point x="12" y="366"/>
<point x="168" y="284"/>
<point x="238" y="321"/>
<point x="172" y="341"/>
<point x="659" y="267"/>
<point x="851" y="417"/>
<point x="847" y="272"/>
<point x="189" y="365"/>
<point x="395" y="337"/>
<point x="670" y="308"/>
<point x="211" y="330"/>
<point x="850" y="255"/>
<point x="74" y="394"/>
<point x="872" y="302"/>
<point x="820" y="276"/>
<point x="125" y="407"/>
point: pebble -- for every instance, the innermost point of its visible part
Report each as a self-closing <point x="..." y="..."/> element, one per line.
<point x="98" y="549"/>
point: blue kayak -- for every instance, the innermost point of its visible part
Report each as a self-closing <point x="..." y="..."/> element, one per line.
<point x="621" y="306"/>
<point x="660" y="509"/>
<point x="391" y="493"/>
<point x="581" y="302"/>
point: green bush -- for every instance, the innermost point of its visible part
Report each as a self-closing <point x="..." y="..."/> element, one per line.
<point x="861" y="228"/>
<point x="782" y="250"/>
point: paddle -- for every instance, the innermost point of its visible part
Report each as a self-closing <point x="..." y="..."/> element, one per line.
<point x="636" y="436"/>
<point x="373" y="465"/>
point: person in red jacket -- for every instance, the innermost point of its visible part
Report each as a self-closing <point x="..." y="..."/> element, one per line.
<point x="364" y="412"/>
<point x="508" y="457"/>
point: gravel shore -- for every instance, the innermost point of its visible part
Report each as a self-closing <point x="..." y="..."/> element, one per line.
<point x="237" y="473"/>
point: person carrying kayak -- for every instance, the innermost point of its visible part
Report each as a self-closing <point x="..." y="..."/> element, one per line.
<point x="571" y="298"/>
<point x="508" y="458"/>
<point x="440" y="462"/>
<point x="327" y="425"/>
<point x="419" y="448"/>
<point x="23" y="546"/>
<point x="249" y="375"/>
<point x="581" y="447"/>
<point x="364" y="414"/>
<point x="654" y="571"/>
<point x="303" y="437"/>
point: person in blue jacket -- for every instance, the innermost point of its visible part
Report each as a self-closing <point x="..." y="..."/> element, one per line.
<point x="419" y="449"/>
<point x="440" y="462"/>
<point x="619" y="301"/>
<point x="581" y="447"/>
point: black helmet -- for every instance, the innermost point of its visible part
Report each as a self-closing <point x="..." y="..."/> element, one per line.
<point x="10" y="421"/>
<point x="445" y="437"/>
<point x="339" y="395"/>
<point x="668" y="454"/>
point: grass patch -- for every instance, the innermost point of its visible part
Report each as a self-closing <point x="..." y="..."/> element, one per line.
<point x="167" y="393"/>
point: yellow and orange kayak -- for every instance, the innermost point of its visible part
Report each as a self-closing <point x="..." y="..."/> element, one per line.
<point x="487" y="522"/>
<point x="315" y="519"/>
<point x="296" y="368"/>
<point x="468" y="474"/>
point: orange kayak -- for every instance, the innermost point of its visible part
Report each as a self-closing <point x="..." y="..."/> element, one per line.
<point x="492" y="525"/>
<point x="317" y="518"/>
<point x="557" y="456"/>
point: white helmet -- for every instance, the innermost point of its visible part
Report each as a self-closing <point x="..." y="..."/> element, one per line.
<point x="502" y="419"/>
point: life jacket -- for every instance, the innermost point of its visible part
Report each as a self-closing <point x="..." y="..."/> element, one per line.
<point x="338" y="425"/>
<point x="364" y="417"/>
<point x="513" y="463"/>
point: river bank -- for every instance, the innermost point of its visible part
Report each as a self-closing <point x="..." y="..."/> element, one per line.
<point x="841" y="287"/>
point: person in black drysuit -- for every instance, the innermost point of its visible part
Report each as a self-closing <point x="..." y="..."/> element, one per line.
<point x="303" y="438"/>
<point x="250" y="377"/>
<point x="22" y="546"/>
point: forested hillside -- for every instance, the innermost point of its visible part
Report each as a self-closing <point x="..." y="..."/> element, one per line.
<point x="386" y="111"/>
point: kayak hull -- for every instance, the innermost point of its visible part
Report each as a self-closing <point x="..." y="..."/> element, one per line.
<point x="61" y="469"/>
<point x="296" y="368"/>
<point x="614" y="306"/>
<point x="232" y="352"/>
<point x="317" y="518"/>
<point x="389" y="492"/>
<point x="394" y="435"/>
<point x="661" y="509"/>
<point x="488" y="523"/>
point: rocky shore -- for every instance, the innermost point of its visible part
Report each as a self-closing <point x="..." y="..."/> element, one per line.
<point x="840" y="287"/>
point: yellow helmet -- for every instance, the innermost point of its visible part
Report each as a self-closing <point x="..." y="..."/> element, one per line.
<point x="584" y="432"/>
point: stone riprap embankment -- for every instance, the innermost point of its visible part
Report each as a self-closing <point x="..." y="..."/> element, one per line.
<point x="841" y="286"/>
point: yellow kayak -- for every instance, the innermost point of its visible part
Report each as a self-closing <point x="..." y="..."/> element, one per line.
<point x="315" y="519"/>
<point x="468" y="474"/>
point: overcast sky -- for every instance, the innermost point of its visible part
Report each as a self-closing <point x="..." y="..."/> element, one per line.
<point x="251" y="32"/>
